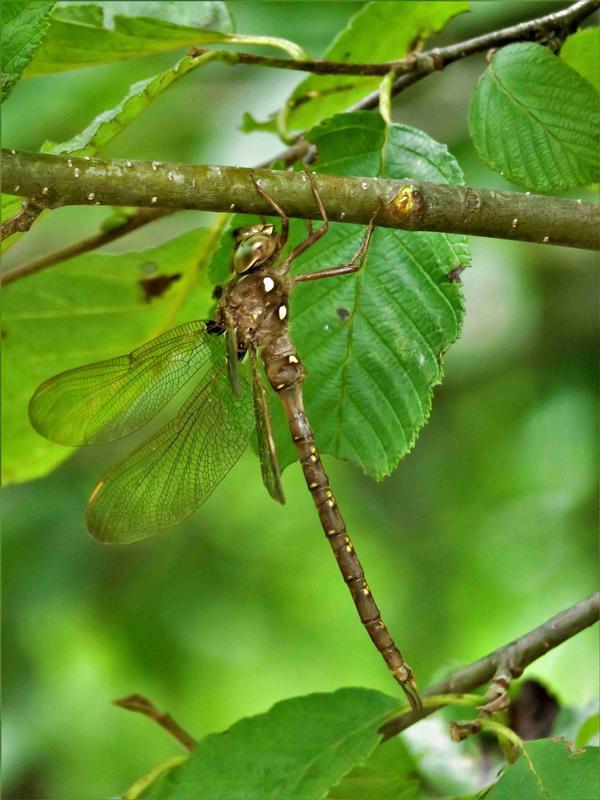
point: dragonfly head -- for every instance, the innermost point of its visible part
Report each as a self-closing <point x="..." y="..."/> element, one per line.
<point x="253" y="246"/>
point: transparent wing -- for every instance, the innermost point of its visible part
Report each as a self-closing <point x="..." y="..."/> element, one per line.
<point x="108" y="400"/>
<point x="172" y="473"/>
<point x="269" y="465"/>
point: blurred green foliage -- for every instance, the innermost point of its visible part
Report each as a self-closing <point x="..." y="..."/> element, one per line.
<point x="485" y="530"/>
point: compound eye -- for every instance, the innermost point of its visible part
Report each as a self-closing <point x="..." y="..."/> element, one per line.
<point x="253" y="251"/>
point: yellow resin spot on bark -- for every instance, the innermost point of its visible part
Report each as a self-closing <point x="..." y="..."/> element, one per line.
<point x="404" y="201"/>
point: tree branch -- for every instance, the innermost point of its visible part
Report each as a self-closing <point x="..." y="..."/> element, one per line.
<point x="405" y="204"/>
<point x="519" y="654"/>
<point x="555" y="26"/>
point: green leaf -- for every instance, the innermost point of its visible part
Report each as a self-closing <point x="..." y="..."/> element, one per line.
<point x="249" y="124"/>
<point x="110" y="123"/>
<point x="380" y="31"/>
<point x="113" y="121"/>
<point x="588" y="731"/>
<point x="534" y="120"/>
<point x="92" y="307"/>
<point x="388" y="774"/>
<point x="213" y="15"/>
<point x="372" y="342"/>
<point x="581" y="51"/>
<point x="81" y="36"/>
<point x="24" y="25"/>
<point x="549" y="770"/>
<point x="296" y="751"/>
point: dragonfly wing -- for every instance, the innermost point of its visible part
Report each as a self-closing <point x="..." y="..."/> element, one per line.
<point x="172" y="473"/>
<point x="269" y="465"/>
<point x="108" y="400"/>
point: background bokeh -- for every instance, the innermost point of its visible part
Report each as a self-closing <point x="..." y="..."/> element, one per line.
<point x="485" y="530"/>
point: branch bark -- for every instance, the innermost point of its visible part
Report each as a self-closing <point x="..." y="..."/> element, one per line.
<point x="519" y="654"/>
<point x="405" y="204"/>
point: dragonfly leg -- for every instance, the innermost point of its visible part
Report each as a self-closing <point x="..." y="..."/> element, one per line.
<point x="314" y="235"/>
<point x="285" y="222"/>
<point x="354" y="265"/>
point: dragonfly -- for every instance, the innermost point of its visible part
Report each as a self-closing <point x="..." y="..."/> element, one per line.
<point x="173" y="472"/>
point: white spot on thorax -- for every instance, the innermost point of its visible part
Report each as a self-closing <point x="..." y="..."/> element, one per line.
<point x="282" y="311"/>
<point x="269" y="285"/>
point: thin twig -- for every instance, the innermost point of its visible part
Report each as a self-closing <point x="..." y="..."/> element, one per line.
<point x="521" y="652"/>
<point x="142" y="216"/>
<point x="404" y="204"/>
<point x="411" y="63"/>
<point x="551" y="29"/>
<point x="136" y="702"/>
<point x="454" y="688"/>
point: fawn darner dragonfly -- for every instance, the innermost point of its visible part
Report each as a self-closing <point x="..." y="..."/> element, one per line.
<point x="171" y="474"/>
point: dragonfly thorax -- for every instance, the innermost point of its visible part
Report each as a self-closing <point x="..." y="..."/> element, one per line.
<point x="256" y="306"/>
